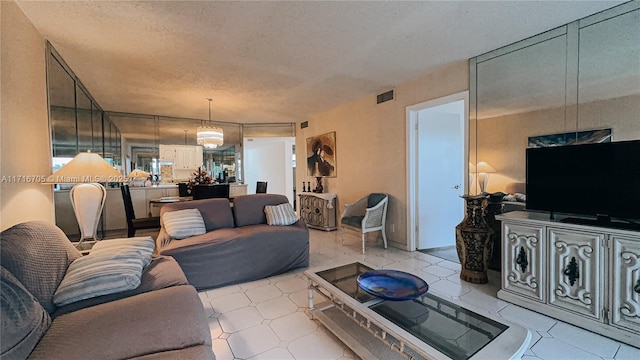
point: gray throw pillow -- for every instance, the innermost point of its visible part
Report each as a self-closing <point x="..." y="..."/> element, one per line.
<point x="24" y="320"/>
<point x="182" y="224"/>
<point x="280" y="215"/>
<point x="101" y="273"/>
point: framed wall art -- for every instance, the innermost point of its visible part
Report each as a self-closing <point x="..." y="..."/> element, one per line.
<point x="321" y="155"/>
<point x="571" y="138"/>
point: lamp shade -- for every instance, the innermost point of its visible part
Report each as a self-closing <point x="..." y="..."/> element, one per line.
<point x="86" y="167"/>
<point x="472" y="168"/>
<point x="137" y="173"/>
<point x="483" y="167"/>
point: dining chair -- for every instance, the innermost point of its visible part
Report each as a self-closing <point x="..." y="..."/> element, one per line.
<point x="134" y="224"/>
<point x="261" y="187"/>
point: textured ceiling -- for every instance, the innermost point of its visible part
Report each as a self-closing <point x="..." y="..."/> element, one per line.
<point x="275" y="61"/>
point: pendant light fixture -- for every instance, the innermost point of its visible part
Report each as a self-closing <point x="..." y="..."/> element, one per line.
<point x="208" y="135"/>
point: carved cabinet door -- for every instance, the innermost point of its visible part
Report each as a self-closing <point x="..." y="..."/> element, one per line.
<point x="576" y="271"/>
<point x="523" y="257"/>
<point x="625" y="280"/>
<point x="316" y="214"/>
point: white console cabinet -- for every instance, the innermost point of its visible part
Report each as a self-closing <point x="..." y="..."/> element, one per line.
<point x="318" y="210"/>
<point x="588" y="276"/>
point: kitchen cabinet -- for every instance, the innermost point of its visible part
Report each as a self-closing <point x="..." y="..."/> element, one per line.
<point x="585" y="275"/>
<point x="184" y="157"/>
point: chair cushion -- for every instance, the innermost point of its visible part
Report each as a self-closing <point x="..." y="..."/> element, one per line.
<point x="33" y="248"/>
<point x="107" y="271"/>
<point x="282" y="214"/>
<point x="374" y="199"/>
<point x="182" y="224"/>
<point x="24" y="320"/>
<point x="355" y="221"/>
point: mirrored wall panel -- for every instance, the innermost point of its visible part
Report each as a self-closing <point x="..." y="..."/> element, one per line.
<point x="77" y="121"/>
<point x="577" y="83"/>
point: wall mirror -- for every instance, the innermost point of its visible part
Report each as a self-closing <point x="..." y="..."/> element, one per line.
<point x="580" y="77"/>
<point x="77" y="122"/>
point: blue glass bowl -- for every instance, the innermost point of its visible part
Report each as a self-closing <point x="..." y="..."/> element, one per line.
<point x="392" y="284"/>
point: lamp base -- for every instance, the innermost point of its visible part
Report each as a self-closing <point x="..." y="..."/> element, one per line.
<point x="87" y="201"/>
<point x="483" y="180"/>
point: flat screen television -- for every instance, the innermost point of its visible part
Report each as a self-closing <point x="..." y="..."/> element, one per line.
<point x="598" y="181"/>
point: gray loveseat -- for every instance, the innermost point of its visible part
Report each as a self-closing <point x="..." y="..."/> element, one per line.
<point x="163" y="318"/>
<point x="238" y="246"/>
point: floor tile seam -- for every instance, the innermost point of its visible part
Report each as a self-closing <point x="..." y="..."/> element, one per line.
<point x="578" y="347"/>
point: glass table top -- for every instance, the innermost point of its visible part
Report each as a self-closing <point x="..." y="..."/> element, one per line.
<point x="456" y="332"/>
<point x="345" y="278"/>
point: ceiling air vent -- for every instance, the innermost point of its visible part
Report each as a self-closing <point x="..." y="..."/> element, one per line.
<point x="385" y="97"/>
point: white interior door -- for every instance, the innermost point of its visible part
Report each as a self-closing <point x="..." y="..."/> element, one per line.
<point x="440" y="173"/>
<point x="270" y="160"/>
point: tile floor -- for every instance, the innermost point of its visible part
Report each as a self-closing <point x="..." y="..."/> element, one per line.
<point x="266" y="319"/>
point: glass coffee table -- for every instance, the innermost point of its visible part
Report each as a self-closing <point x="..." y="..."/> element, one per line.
<point x="427" y="327"/>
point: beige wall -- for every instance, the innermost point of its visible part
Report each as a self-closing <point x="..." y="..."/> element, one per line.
<point x="371" y="143"/>
<point x="24" y="129"/>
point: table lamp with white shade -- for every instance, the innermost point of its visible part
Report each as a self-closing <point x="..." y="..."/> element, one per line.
<point x="87" y="170"/>
<point x="484" y="169"/>
<point x="137" y="173"/>
<point x="138" y="177"/>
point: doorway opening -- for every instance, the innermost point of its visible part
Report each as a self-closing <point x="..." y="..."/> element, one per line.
<point x="437" y="164"/>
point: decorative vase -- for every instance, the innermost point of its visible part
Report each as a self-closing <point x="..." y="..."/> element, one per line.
<point x="319" y="188"/>
<point x="473" y="241"/>
<point x="493" y="207"/>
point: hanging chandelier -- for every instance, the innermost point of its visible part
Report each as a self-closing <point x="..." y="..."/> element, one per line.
<point x="208" y="135"/>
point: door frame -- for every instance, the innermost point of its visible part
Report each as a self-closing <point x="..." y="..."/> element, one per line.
<point x="412" y="156"/>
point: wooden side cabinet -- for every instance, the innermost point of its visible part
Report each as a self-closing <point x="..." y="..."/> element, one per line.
<point x="588" y="276"/>
<point x="318" y="210"/>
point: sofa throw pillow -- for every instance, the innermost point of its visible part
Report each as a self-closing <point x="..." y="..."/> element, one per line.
<point x="182" y="224"/>
<point x="282" y="214"/>
<point x="24" y="320"/>
<point x="100" y="273"/>
<point x="144" y="245"/>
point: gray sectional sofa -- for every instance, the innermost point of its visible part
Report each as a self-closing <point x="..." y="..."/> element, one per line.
<point x="238" y="245"/>
<point x="163" y="318"/>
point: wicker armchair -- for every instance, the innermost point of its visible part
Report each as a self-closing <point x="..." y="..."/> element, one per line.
<point x="366" y="215"/>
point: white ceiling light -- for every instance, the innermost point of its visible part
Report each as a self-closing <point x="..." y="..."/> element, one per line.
<point x="210" y="136"/>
